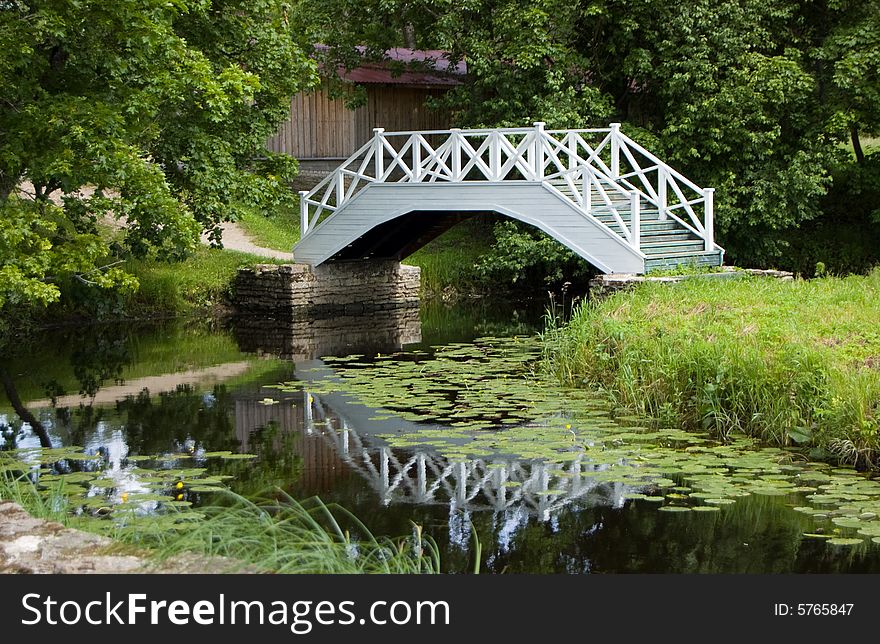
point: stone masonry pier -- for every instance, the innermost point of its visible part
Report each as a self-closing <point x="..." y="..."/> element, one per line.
<point x="333" y="288"/>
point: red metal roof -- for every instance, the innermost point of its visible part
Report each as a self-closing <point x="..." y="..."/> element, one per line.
<point x="431" y="67"/>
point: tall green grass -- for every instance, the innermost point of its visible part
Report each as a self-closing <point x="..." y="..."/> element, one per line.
<point x="273" y="534"/>
<point x="793" y="363"/>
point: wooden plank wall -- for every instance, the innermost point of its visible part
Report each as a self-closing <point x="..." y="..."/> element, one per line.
<point x="320" y="128"/>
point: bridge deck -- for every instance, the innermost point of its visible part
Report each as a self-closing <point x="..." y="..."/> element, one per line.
<point x="596" y="191"/>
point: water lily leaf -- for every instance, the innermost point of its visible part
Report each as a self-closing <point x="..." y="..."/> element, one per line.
<point x="840" y="541"/>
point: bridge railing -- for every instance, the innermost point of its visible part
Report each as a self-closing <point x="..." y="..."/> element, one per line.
<point x="597" y="170"/>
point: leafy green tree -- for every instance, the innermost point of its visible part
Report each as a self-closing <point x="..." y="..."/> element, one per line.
<point x="148" y="112"/>
<point x="848" y="59"/>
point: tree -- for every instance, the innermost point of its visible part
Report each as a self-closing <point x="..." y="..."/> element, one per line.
<point x="150" y="112"/>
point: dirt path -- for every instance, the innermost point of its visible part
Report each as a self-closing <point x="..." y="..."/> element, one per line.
<point x="234" y="238"/>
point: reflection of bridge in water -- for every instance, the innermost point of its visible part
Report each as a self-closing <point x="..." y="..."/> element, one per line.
<point x="332" y="447"/>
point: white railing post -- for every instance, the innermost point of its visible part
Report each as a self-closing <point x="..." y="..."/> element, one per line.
<point x="587" y="187"/>
<point x="571" y="146"/>
<point x="636" y="216"/>
<point x="615" y="150"/>
<point x="456" y="153"/>
<point x="662" y="181"/>
<point x="340" y="188"/>
<point x="709" y="224"/>
<point x="417" y="158"/>
<point x="538" y="151"/>
<point x="379" y="151"/>
<point x="495" y="155"/>
<point x="303" y="212"/>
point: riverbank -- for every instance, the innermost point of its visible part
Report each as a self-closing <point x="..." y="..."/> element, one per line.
<point x="793" y="363"/>
<point x="40" y="534"/>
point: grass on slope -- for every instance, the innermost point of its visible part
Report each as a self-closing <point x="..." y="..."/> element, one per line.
<point x="794" y="363"/>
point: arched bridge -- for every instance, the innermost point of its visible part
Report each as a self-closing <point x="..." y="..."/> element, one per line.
<point x="596" y="191"/>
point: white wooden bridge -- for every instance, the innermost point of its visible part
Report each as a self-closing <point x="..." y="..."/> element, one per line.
<point x="596" y="191"/>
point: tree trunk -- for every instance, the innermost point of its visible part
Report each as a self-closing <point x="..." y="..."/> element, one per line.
<point x="857" y="144"/>
<point x="23" y="412"/>
<point x="409" y="36"/>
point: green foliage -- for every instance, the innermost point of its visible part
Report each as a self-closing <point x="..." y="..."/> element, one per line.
<point x="846" y="238"/>
<point x="524" y="255"/>
<point x="146" y="113"/>
<point x="788" y="362"/>
<point x="275" y="534"/>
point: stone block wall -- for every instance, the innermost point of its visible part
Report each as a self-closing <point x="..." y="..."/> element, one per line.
<point x="335" y="288"/>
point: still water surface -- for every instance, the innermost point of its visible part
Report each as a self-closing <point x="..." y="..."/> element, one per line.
<point x="440" y="420"/>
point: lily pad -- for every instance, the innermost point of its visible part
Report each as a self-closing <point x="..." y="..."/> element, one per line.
<point x="841" y="541"/>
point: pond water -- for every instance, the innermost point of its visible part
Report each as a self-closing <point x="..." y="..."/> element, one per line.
<point x="439" y="418"/>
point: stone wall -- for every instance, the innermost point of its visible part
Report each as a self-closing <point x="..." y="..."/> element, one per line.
<point x="335" y="288"/>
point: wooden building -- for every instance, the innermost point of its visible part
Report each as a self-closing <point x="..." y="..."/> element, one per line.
<point x="320" y="131"/>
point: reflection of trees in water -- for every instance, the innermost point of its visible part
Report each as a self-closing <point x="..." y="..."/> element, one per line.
<point x="23" y="412"/>
<point x="442" y="322"/>
<point x="754" y="535"/>
<point x="166" y="422"/>
<point x="97" y="356"/>
<point x="280" y="461"/>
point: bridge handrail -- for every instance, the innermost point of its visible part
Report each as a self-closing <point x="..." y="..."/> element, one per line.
<point x="529" y="152"/>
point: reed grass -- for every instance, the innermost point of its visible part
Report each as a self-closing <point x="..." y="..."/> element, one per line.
<point x="272" y="534"/>
<point x="794" y="363"/>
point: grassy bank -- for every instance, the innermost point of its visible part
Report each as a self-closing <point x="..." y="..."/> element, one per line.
<point x="194" y="285"/>
<point x="793" y="363"/>
<point x="275" y="534"/>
